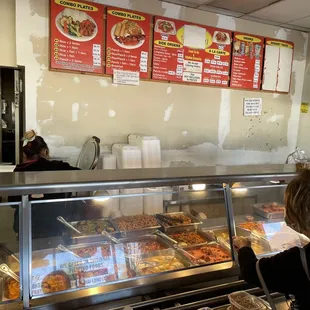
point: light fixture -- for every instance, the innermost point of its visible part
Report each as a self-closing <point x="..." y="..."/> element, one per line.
<point x="199" y="187"/>
<point x="100" y="196"/>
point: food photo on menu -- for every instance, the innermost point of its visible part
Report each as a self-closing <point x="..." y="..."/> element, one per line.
<point x="76" y="25"/>
<point x="127" y="41"/>
<point x="128" y="34"/>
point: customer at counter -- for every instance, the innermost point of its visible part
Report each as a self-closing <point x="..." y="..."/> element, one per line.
<point x="284" y="272"/>
<point x="36" y="158"/>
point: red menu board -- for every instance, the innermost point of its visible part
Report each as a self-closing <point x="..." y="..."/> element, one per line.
<point x="77" y="36"/>
<point x="128" y="41"/>
<point x="186" y="52"/>
<point x="247" y="60"/>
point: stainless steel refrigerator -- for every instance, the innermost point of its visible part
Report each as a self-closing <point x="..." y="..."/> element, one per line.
<point x="12" y="114"/>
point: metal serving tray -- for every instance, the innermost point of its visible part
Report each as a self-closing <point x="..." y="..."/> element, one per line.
<point x="205" y="236"/>
<point x="216" y="233"/>
<point x="76" y="238"/>
<point x="268" y="215"/>
<point x="195" y="223"/>
<point x="251" y="231"/>
<point x="136" y="232"/>
<point x="213" y="244"/>
<point x="157" y="238"/>
<point x="136" y="259"/>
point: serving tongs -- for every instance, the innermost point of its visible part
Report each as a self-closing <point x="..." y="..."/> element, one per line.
<point x="63" y="221"/>
<point x="169" y="220"/>
<point x="9" y="272"/>
<point x="109" y="236"/>
<point x="161" y="234"/>
<point x="64" y="249"/>
<point x="8" y="252"/>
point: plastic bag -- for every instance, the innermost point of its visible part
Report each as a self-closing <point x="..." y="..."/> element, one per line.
<point x="298" y="156"/>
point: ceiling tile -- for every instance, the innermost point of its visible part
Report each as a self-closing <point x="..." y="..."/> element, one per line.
<point x="181" y="2"/>
<point x="303" y="22"/>
<point x="243" y="6"/>
<point x="284" y="11"/>
<point x="260" y="20"/>
<point x="294" y="27"/>
<point x="197" y="2"/>
<point x="219" y="11"/>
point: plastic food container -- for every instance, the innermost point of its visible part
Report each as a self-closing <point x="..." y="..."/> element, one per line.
<point x="245" y="301"/>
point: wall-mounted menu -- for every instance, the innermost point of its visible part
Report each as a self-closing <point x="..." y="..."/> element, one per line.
<point x="186" y="52"/>
<point x="246" y="67"/>
<point x="77" y="36"/>
<point x="128" y="41"/>
<point x="278" y="65"/>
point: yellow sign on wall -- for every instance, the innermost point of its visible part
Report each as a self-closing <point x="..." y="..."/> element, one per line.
<point x="304" y="107"/>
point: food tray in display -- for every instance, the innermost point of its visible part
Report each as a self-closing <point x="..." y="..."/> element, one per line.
<point x="221" y="233"/>
<point x="252" y="231"/>
<point x="153" y="238"/>
<point x="168" y="228"/>
<point x="4" y="288"/>
<point x="258" y="209"/>
<point x="207" y="238"/>
<point x="165" y="255"/>
<point x="136" y="232"/>
<point x="219" y="246"/>
<point x="76" y="238"/>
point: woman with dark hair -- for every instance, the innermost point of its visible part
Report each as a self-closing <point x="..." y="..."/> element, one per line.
<point x="36" y="158"/>
<point x="287" y="272"/>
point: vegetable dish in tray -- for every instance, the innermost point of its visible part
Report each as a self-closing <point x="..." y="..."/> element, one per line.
<point x="93" y="227"/>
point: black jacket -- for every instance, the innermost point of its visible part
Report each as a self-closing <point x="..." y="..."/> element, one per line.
<point x="282" y="273"/>
<point x="44" y="221"/>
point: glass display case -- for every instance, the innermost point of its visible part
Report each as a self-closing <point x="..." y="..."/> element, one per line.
<point x="139" y="231"/>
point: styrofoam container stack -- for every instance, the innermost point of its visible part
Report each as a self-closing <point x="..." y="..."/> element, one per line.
<point x="129" y="157"/>
<point x="153" y="204"/>
<point x="108" y="161"/>
<point x="151" y="158"/>
<point x="150" y="148"/>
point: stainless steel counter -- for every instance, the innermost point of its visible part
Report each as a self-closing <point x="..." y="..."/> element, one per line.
<point x="64" y="181"/>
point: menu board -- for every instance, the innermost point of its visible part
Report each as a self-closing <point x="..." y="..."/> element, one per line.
<point x="278" y="65"/>
<point x="186" y="52"/>
<point x="77" y="36"/>
<point x="247" y="60"/>
<point x="128" y="41"/>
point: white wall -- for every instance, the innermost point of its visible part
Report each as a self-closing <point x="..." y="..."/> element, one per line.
<point x="203" y="125"/>
<point x="7" y="33"/>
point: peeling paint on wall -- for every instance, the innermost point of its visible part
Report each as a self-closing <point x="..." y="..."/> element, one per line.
<point x="168" y="112"/>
